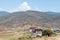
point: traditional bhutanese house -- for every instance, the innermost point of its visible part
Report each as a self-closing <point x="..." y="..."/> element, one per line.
<point x="38" y="32"/>
<point x="32" y="29"/>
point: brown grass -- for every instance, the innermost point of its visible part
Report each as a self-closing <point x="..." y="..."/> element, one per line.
<point x="48" y="38"/>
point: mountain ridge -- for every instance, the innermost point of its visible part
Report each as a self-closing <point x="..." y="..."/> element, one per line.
<point x="30" y="17"/>
<point x="3" y="13"/>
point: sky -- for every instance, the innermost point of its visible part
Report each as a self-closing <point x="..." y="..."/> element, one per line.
<point x="23" y="5"/>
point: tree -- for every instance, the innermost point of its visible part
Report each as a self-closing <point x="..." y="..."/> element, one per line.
<point x="47" y="32"/>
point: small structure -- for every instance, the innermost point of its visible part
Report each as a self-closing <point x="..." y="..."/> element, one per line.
<point x="36" y="31"/>
<point x="57" y="31"/>
<point x="32" y="29"/>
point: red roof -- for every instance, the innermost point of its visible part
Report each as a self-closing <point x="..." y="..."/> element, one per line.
<point x="32" y="27"/>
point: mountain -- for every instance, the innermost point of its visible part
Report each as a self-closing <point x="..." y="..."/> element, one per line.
<point x="55" y="13"/>
<point x="3" y="13"/>
<point x="36" y="18"/>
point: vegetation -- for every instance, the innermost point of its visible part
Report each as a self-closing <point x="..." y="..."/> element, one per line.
<point x="25" y="36"/>
<point x="47" y="32"/>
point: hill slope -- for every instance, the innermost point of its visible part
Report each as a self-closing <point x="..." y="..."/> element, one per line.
<point x="36" y="18"/>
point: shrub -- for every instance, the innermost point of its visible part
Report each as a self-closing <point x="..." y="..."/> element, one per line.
<point x="25" y="36"/>
<point x="47" y="32"/>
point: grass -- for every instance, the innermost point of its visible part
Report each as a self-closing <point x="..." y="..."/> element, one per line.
<point x="14" y="35"/>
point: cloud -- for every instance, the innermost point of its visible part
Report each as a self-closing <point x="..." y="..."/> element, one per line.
<point x="37" y="9"/>
<point x="1" y="9"/>
<point x="22" y="7"/>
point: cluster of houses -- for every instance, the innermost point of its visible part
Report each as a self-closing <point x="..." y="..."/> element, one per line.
<point x="37" y="31"/>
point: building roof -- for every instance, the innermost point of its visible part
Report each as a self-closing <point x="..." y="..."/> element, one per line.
<point x="32" y="27"/>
